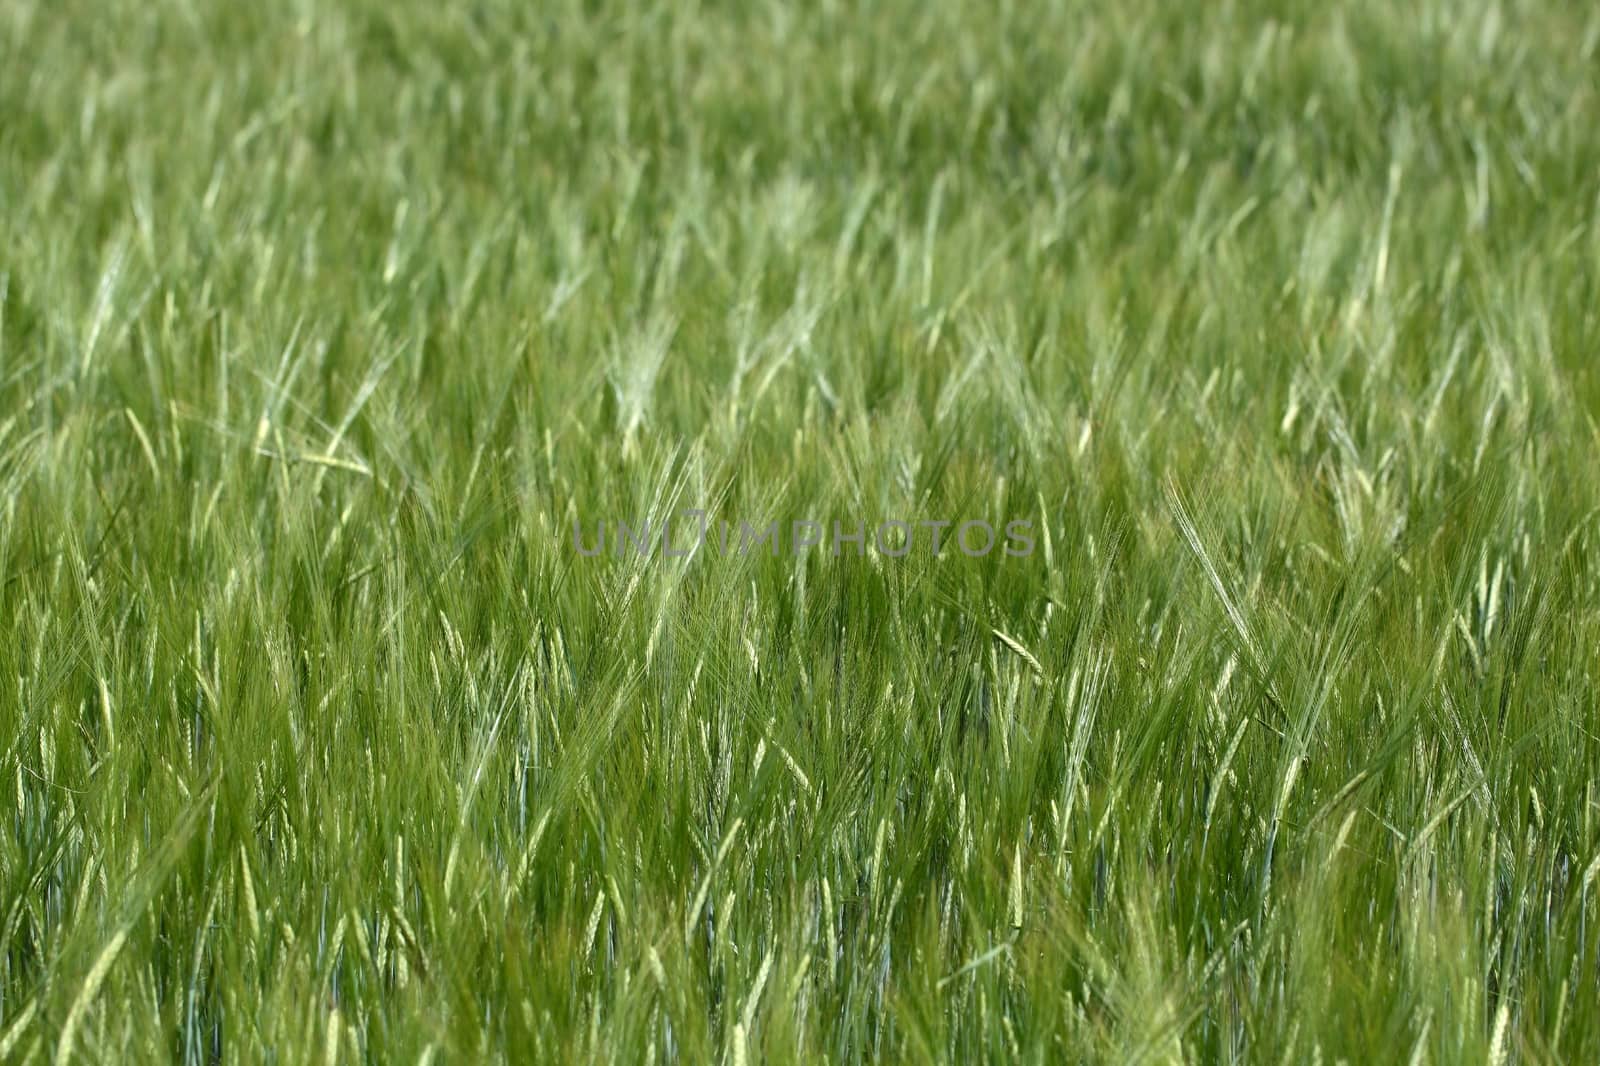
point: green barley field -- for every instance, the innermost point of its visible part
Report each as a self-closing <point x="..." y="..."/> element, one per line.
<point x="1264" y="338"/>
